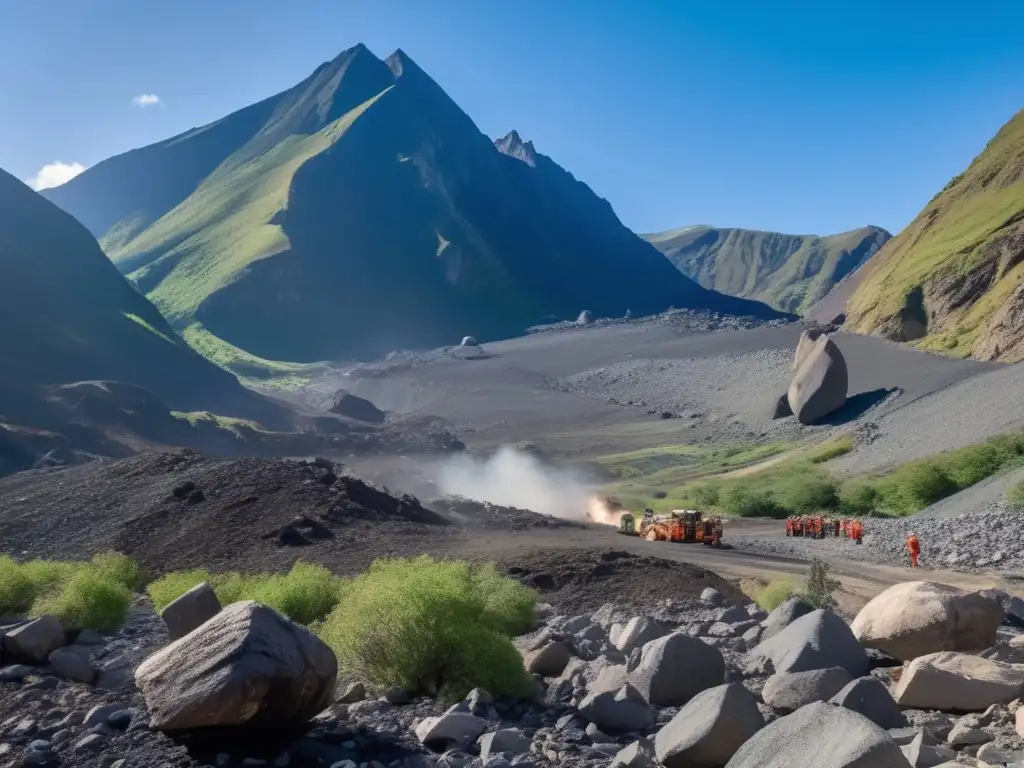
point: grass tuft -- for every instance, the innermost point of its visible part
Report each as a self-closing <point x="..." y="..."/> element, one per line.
<point x="772" y="595"/>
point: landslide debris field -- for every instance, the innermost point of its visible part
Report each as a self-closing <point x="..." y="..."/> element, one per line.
<point x="591" y="392"/>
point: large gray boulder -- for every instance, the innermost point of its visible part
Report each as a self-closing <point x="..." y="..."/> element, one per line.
<point x="788" y="611"/>
<point x="507" y="740"/>
<point x="958" y="681"/>
<point x="618" y="711"/>
<point x="804" y="346"/>
<point x="35" y="640"/>
<point x="639" y="754"/>
<point x="922" y="753"/>
<point x="789" y="691"/>
<point x="869" y="697"/>
<point x="191" y="610"/>
<point x="72" y="663"/>
<point x="916" y="618"/>
<point x="709" y="729"/>
<point x="638" y="632"/>
<point x="675" y="668"/>
<point x="819" y="385"/>
<point x="247" y="666"/>
<point x="358" y="408"/>
<point x="820" y="736"/>
<point x="818" y="640"/>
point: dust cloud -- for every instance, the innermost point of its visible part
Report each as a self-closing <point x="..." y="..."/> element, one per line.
<point x="515" y="478"/>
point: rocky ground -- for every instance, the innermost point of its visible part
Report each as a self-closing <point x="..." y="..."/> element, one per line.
<point x="693" y="679"/>
<point x="984" y="539"/>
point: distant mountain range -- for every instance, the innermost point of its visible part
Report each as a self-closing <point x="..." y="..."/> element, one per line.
<point x="363" y="211"/>
<point x="787" y="272"/>
<point x="953" y="280"/>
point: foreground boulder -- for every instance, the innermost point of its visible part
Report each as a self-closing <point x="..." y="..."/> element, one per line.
<point x="957" y="681"/>
<point x="675" y="668"/>
<point x="617" y="711"/>
<point x="818" y="640"/>
<point x="819" y="385"/>
<point x="709" y="729"/>
<point x="453" y="729"/>
<point x="35" y="640"/>
<point x="548" y="660"/>
<point x="190" y="611"/>
<point x="788" y="611"/>
<point x="247" y="666"/>
<point x="789" y="691"/>
<point x="916" y="618"/>
<point x="820" y="736"/>
<point x="869" y="696"/>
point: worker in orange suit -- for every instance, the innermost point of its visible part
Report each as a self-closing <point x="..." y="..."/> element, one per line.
<point x="857" y="531"/>
<point x="838" y="525"/>
<point x="789" y="526"/>
<point x="914" y="548"/>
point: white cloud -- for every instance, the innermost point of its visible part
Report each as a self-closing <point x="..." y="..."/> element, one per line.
<point x="144" y="100"/>
<point x="54" y="174"/>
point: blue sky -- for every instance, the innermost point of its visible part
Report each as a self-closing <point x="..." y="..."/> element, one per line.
<point x="793" y="116"/>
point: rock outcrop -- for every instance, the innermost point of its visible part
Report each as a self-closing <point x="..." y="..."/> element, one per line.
<point x="247" y="666"/>
<point x="916" y="618"/>
<point x="358" y="408"/>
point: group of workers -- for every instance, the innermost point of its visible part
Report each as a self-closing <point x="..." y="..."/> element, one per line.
<point x="818" y="527"/>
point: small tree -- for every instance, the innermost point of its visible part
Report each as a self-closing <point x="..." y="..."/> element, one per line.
<point x="819" y="590"/>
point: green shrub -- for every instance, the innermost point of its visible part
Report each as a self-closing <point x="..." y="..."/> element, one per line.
<point x="858" y="498"/>
<point x="435" y="627"/>
<point x="49" y="575"/>
<point x="706" y="495"/>
<point x="17" y="590"/>
<point x="914" y="486"/>
<point x="807" y="494"/>
<point x="773" y="594"/>
<point x="119" y="568"/>
<point x="305" y="594"/>
<point x="89" y="600"/>
<point x="744" y="500"/>
<point x="819" y="589"/>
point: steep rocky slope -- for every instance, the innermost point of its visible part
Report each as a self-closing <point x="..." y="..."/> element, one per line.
<point x="788" y="272"/>
<point x="90" y="367"/>
<point x="360" y="211"/>
<point x="953" y="278"/>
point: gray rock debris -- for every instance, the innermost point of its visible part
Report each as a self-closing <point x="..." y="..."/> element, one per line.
<point x="618" y="711"/>
<point x="787" y="692"/>
<point x="638" y="632"/>
<point x="868" y="696"/>
<point x="788" y="611"/>
<point x="548" y="661"/>
<point x="34" y="641"/>
<point x="818" y="640"/>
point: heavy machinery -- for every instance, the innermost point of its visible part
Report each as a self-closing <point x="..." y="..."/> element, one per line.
<point x="681" y="525"/>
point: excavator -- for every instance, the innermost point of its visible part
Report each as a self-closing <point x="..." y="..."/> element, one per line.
<point x="681" y="525"/>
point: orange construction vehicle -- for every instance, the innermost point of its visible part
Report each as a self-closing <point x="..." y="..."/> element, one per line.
<point x="682" y="525"/>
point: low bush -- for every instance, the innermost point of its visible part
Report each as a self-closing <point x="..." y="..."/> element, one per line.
<point x="433" y="627"/>
<point x="305" y="594"/>
<point x="89" y="600"/>
<point x="913" y="487"/>
<point x="746" y="500"/>
<point x="84" y="595"/>
<point x="819" y="588"/>
<point x="773" y="594"/>
<point x="858" y="498"/>
<point x="830" y="449"/>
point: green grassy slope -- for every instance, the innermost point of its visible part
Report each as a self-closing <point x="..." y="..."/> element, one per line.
<point x="67" y="315"/>
<point x="788" y="272"/>
<point x="954" y="278"/>
<point x="367" y="212"/>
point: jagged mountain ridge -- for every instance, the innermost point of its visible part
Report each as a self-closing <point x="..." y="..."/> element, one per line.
<point x="362" y="211"/>
<point x="953" y="280"/>
<point x="787" y="272"/>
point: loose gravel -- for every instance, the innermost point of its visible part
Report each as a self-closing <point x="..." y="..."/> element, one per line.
<point x="987" y="538"/>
